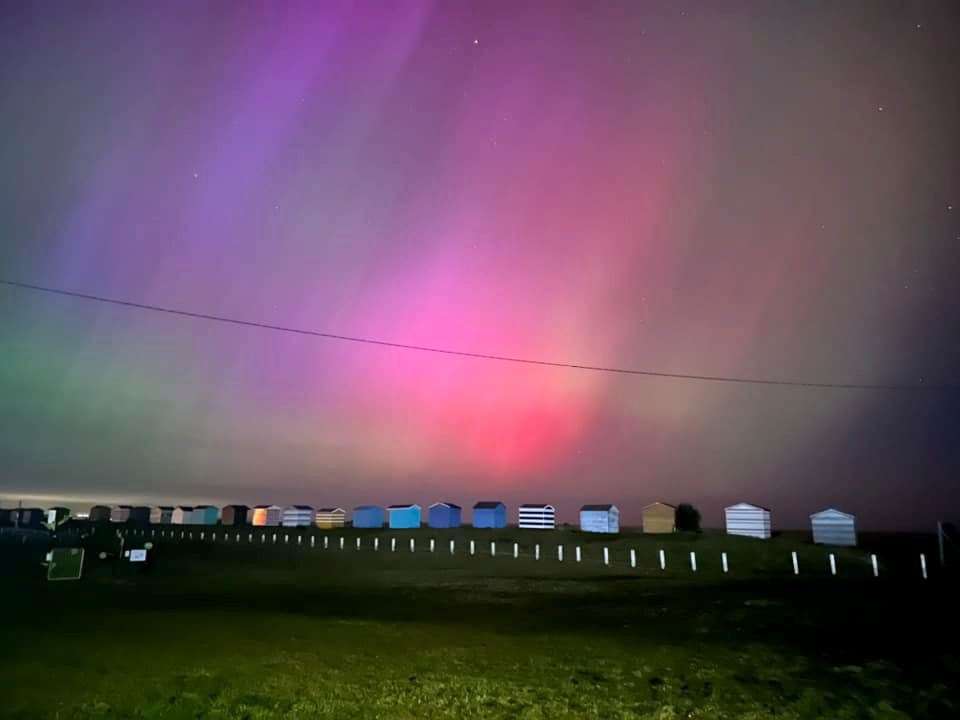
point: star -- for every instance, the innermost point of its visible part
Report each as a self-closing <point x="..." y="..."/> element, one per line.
<point x="476" y="41"/>
<point x="196" y="176"/>
<point x="879" y="108"/>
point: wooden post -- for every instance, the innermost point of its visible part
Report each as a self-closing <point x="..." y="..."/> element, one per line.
<point x="693" y="561"/>
<point x="663" y="560"/>
<point x="796" y="563"/>
<point x="723" y="561"/>
<point x="833" y="564"/>
<point x="633" y="557"/>
<point x="606" y="556"/>
<point x="576" y="553"/>
<point x="876" y="567"/>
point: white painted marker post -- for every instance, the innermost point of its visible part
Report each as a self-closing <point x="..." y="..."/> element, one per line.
<point x="536" y="551"/>
<point x="286" y="538"/>
<point x="412" y="544"/>
<point x="606" y="556"/>
<point x="663" y="560"/>
<point x="493" y="548"/>
<point x="516" y="551"/>
<point x="274" y="538"/>
<point x="313" y="541"/>
<point x="923" y="565"/>
<point x="358" y="543"/>
<point x="299" y="539"/>
<point x="796" y="563"/>
<point x="326" y="542"/>
<point x="633" y="558"/>
<point x="693" y="561"/>
<point x="833" y="564"/>
<point x="263" y="538"/>
<point x="376" y="544"/>
<point x="201" y="535"/>
<point x="393" y="544"/>
<point x="876" y="568"/>
<point x="723" y="561"/>
<point x="341" y="542"/>
<point x="453" y="546"/>
<point x="576" y="553"/>
<point x="238" y="537"/>
<point x="473" y="547"/>
<point x="560" y="553"/>
<point x="432" y="544"/>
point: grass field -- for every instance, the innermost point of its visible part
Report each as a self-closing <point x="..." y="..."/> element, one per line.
<point x="221" y="630"/>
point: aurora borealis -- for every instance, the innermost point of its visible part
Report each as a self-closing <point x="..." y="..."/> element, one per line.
<point x="756" y="189"/>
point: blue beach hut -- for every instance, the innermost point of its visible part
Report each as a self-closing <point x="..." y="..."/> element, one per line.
<point x="490" y="514"/>
<point x="444" y="515"/>
<point x="403" y="516"/>
<point x="368" y="516"/>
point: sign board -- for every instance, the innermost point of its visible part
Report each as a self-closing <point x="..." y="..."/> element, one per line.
<point x="65" y="564"/>
<point x="138" y="556"/>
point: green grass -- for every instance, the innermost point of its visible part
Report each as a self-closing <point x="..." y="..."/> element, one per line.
<point x="255" y="631"/>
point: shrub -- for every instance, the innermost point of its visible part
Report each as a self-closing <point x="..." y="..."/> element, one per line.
<point x="688" y="518"/>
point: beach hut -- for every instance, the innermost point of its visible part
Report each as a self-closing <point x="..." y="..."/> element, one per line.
<point x="658" y="518"/>
<point x="331" y="517"/>
<point x="833" y="527"/>
<point x="31" y="518"/>
<point x="139" y="515"/>
<point x="600" y="518"/>
<point x="6" y="517"/>
<point x="266" y="515"/>
<point x="120" y="513"/>
<point x="368" y="516"/>
<point x="182" y="515"/>
<point x="748" y="520"/>
<point x="297" y="516"/>
<point x="490" y="514"/>
<point x="444" y="515"/>
<point x="403" y="516"/>
<point x="234" y="515"/>
<point x="57" y="515"/>
<point x="161" y="515"/>
<point x="99" y="513"/>
<point x="205" y="515"/>
<point x="532" y="516"/>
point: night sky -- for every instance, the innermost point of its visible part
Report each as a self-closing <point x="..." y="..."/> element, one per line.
<point x="756" y="189"/>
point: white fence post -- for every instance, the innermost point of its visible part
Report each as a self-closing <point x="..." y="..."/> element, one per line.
<point x="299" y="539"/>
<point x="413" y="544"/>
<point x="796" y="563"/>
<point x="833" y="564"/>
<point x="201" y="534"/>
<point x="723" y="561"/>
<point x="663" y="560"/>
<point x="358" y="543"/>
<point x="313" y="541"/>
<point x="876" y="567"/>
<point x="376" y="544"/>
<point x="286" y="538"/>
<point x="341" y="542"/>
<point x="493" y="548"/>
<point x="516" y="550"/>
<point x="606" y="556"/>
<point x="473" y="547"/>
<point x="432" y="544"/>
<point x="693" y="561"/>
<point x="923" y="565"/>
<point x="274" y="538"/>
<point x="263" y="538"/>
<point x="536" y="551"/>
<point x="453" y="546"/>
<point x="633" y="558"/>
<point x="576" y="553"/>
<point x="560" y="553"/>
<point x="238" y="537"/>
<point x="326" y="541"/>
<point x="393" y="544"/>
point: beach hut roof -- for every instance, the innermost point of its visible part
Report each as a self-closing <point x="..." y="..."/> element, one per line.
<point x="746" y="506"/>
<point x="333" y="509"/>
<point x="598" y="507"/>
<point x="487" y="505"/>
<point x="300" y="507"/>
<point x="446" y="504"/>
<point x="834" y="512"/>
<point x="658" y="504"/>
<point x="368" y="507"/>
<point x="538" y="505"/>
<point x="403" y="506"/>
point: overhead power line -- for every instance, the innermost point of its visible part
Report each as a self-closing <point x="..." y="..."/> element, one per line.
<point x="465" y="353"/>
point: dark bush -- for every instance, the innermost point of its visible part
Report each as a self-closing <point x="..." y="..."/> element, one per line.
<point x="688" y="518"/>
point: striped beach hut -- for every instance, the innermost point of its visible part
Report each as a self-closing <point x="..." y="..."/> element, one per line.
<point x="748" y="520"/>
<point x="205" y="515"/>
<point x="833" y="527"/>
<point x="490" y="514"/>
<point x="297" y="516"/>
<point x="444" y="515"/>
<point x="368" y="516"/>
<point x="99" y="513"/>
<point x="531" y="516"/>
<point x="182" y="515"/>
<point x="331" y="517"/>
<point x="266" y="515"/>
<point x="161" y="515"/>
<point x="120" y="513"/>
<point x="600" y="518"/>
<point x="234" y="515"/>
<point x="659" y="518"/>
<point x="403" y="516"/>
